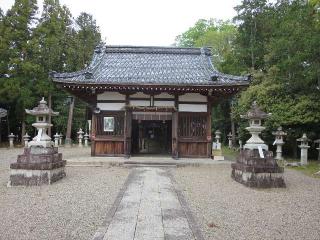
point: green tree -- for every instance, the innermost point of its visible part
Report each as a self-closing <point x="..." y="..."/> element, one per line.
<point x="88" y="37"/>
<point x="289" y="85"/>
<point x="254" y="30"/>
<point x="189" y="38"/>
<point x="16" y="65"/>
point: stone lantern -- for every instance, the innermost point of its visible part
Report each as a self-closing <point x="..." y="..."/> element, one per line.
<point x="11" y="138"/>
<point x="26" y="140"/>
<point x="255" y="165"/>
<point x="318" y="148"/>
<point x="216" y="147"/>
<point x="86" y="138"/>
<point x="41" y="113"/>
<point x="279" y="134"/>
<point x="255" y="117"/>
<point x="218" y="137"/>
<point x="40" y="163"/>
<point x="60" y="139"/>
<point x="304" y="149"/>
<point x="56" y="140"/>
<point x="230" y="140"/>
<point x="240" y="144"/>
<point x="80" y="137"/>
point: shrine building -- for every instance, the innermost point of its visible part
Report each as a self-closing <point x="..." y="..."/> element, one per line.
<point x="151" y="100"/>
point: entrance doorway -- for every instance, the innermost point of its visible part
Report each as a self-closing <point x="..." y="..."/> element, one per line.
<point x="151" y="136"/>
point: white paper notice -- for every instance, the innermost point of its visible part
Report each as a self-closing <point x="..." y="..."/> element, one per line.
<point x="260" y="152"/>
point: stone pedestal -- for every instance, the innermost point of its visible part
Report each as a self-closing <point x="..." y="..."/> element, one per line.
<point x="37" y="165"/>
<point x="86" y="139"/>
<point x="304" y="155"/>
<point x="11" y="138"/>
<point x="253" y="171"/>
<point x="279" y="152"/>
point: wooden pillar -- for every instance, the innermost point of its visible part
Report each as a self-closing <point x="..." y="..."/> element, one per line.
<point x="209" y="132"/>
<point x="68" y="141"/>
<point x="175" y="135"/>
<point x="127" y="130"/>
<point x="93" y="134"/>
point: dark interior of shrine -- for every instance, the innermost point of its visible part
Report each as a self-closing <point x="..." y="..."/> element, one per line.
<point x="151" y="137"/>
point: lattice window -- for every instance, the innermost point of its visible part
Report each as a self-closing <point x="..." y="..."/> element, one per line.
<point x="192" y="125"/>
<point x="118" y="129"/>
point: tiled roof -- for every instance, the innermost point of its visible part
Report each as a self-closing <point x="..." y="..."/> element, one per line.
<point x="150" y="66"/>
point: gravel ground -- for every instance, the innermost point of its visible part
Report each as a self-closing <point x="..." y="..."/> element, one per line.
<point x="226" y="209"/>
<point x="72" y="208"/>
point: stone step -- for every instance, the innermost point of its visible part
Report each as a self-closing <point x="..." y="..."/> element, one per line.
<point x="151" y="162"/>
<point x="149" y="165"/>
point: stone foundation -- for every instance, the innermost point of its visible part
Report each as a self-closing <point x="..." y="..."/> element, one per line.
<point x="36" y="166"/>
<point x="24" y="177"/>
<point x="253" y="171"/>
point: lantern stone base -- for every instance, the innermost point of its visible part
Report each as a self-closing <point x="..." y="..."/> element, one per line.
<point x="253" y="171"/>
<point x="37" y="166"/>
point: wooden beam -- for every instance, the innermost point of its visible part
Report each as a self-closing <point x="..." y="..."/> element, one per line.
<point x="175" y="125"/>
<point x="209" y="132"/>
<point x="127" y="129"/>
<point x="93" y="134"/>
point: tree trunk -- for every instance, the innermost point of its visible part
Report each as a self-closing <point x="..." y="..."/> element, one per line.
<point x="294" y="149"/>
<point x="233" y="132"/>
<point x="69" y="126"/>
<point x="23" y="128"/>
<point x="49" y="117"/>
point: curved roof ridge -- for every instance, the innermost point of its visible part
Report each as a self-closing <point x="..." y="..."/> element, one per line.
<point x="68" y="74"/>
<point x="156" y="49"/>
<point x="150" y="65"/>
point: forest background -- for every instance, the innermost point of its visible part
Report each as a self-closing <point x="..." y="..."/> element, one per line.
<point x="277" y="42"/>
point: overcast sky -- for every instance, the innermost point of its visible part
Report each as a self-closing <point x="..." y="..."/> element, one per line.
<point x="146" y="22"/>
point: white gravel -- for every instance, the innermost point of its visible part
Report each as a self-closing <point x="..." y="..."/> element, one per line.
<point x="71" y="208"/>
<point x="226" y="209"/>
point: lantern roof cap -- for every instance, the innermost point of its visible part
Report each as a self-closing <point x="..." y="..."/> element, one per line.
<point x="304" y="138"/>
<point x="255" y="112"/>
<point x="279" y="132"/>
<point x="42" y="109"/>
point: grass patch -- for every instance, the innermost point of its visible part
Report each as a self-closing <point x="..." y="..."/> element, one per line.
<point x="229" y="153"/>
<point x="310" y="169"/>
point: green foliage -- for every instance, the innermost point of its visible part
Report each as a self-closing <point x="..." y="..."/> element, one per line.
<point x="216" y="34"/>
<point x="189" y="38"/>
<point x="30" y="48"/>
<point x="286" y="83"/>
<point x="278" y="43"/>
<point x="254" y="29"/>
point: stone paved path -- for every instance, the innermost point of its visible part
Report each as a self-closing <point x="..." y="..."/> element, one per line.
<point x="150" y="208"/>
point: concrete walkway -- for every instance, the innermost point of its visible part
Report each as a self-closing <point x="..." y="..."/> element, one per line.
<point x="149" y="207"/>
